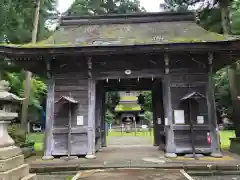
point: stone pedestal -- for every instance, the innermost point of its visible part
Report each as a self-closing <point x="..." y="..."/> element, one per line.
<point x="12" y="165"/>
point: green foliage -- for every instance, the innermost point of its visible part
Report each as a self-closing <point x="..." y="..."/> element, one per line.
<point x="98" y="7"/>
<point x="148" y="115"/>
<point x="17" y="133"/>
<point x="38" y="88"/>
<point x="147" y="104"/>
<point x="222" y="93"/>
<point x="235" y="17"/>
<point x="210" y="19"/>
<point x="17" y="19"/>
<point x="175" y="5"/>
<point x="109" y="117"/>
<point x="112" y="100"/>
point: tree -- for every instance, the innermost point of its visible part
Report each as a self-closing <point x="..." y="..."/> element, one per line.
<point x="147" y="102"/>
<point x="109" y="117"/>
<point x="175" y="5"/>
<point x="38" y="88"/>
<point x="112" y="100"/>
<point x="184" y="5"/>
<point x="17" y="19"/>
<point x="225" y="14"/>
<point x="222" y="93"/>
<point x="235" y="17"/>
<point x="98" y="7"/>
<point x="148" y="115"/>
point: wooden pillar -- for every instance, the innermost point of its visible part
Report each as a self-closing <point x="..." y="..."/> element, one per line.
<point x="170" y="149"/>
<point x="212" y="117"/>
<point x="98" y="116"/>
<point x="154" y="108"/>
<point x="49" y="119"/>
<point x="91" y="112"/>
<point x="104" y="133"/>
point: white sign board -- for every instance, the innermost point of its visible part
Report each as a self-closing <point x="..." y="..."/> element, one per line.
<point x="159" y="120"/>
<point x="200" y="120"/>
<point x="144" y="126"/>
<point x="166" y="121"/>
<point x="80" y="121"/>
<point x="179" y="117"/>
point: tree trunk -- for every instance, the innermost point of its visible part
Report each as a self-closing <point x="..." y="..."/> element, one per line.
<point x="225" y="13"/>
<point x="233" y="76"/>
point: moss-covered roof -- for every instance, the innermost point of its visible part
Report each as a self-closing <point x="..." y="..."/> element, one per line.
<point x="128" y="103"/>
<point x="127" y="107"/>
<point x="128" y="33"/>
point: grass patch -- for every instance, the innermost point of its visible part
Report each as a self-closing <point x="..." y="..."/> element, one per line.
<point x="38" y="138"/>
<point x="224" y="138"/>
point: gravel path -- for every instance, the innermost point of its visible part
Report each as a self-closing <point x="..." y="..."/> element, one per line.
<point x="128" y="140"/>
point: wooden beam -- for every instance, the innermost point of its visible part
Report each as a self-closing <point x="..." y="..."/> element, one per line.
<point x="127" y="18"/>
<point x="212" y="117"/>
<point x="104" y="130"/>
<point x="116" y="74"/>
<point x="98" y="117"/>
<point x="69" y="128"/>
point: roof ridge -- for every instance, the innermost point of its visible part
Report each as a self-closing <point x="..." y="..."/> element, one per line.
<point x="127" y="18"/>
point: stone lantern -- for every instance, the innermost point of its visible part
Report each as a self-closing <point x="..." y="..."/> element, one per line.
<point x="11" y="158"/>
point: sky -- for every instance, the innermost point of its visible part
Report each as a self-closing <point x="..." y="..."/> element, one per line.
<point x="149" y="5"/>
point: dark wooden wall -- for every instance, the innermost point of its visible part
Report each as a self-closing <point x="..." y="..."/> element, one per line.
<point x="181" y="85"/>
<point x="76" y="86"/>
<point x="149" y="70"/>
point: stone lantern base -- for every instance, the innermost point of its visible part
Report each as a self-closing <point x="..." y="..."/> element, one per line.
<point x="12" y="165"/>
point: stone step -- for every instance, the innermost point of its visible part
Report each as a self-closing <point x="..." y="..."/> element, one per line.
<point x="11" y="163"/>
<point x="16" y="173"/>
<point x="30" y="177"/>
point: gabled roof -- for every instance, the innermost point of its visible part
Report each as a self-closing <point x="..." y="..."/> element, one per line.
<point x="67" y="99"/>
<point x="144" y="33"/>
<point x="146" y="28"/>
<point x="193" y="95"/>
<point x="128" y="30"/>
